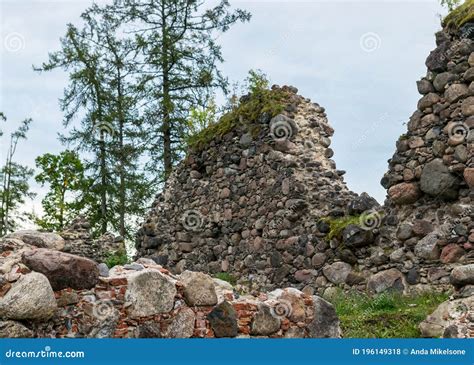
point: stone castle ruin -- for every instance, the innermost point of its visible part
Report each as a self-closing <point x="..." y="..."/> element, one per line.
<point x="259" y="200"/>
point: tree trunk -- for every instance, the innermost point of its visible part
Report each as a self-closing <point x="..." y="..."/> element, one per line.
<point x="166" y="107"/>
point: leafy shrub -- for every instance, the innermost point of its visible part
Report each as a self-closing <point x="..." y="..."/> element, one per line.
<point x="117" y="258"/>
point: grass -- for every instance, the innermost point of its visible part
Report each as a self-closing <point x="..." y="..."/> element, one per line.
<point x="460" y="15"/>
<point x="388" y="315"/>
<point x="226" y="277"/>
<point x="259" y="102"/>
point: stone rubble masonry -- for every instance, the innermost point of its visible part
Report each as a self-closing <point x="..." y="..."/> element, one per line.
<point x="151" y="302"/>
<point x="259" y="208"/>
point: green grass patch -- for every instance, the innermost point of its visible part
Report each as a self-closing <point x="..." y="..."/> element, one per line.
<point x="388" y="315"/>
<point x="247" y="113"/>
<point x="226" y="277"/>
<point x="460" y="15"/>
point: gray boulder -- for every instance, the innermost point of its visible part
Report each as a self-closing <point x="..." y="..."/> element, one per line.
<point x="30" y="298"/>
<point x="149" y="292"/>
<point x="437" y="181"/>
<point x="326" y="322"/>
<point x="49" y="240"/>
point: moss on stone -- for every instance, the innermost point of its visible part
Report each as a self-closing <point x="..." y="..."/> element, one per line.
<point x="337" y="225"/>
<point x="460" y="16"/>
<point x="247" y="113"/>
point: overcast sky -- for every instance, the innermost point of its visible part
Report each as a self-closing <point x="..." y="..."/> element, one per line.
<point x="360" y="60"/>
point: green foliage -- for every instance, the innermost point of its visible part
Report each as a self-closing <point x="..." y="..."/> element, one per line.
<point x="226" y="277"/>
<point x="337" y="225"/>
<point x="460" y="15"/>
<point x="64" y="173"/>
<point x="388" y="315"/>
<point x="260" y="101"/>
<point x="450" y="4"/>
<point x="201" y="118"/>
<point x="14" y="186"/>
<point x="117" y="258"/>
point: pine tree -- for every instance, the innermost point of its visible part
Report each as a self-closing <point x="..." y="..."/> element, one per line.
<point x="14" y="188"/>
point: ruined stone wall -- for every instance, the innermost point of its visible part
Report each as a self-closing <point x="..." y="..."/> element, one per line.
<point x="249" y="205"/>
<point x="78" y="240"/>
<point x="273" y="210"/>
<point x="49" y="293"/>
<point x="430" y="180"/>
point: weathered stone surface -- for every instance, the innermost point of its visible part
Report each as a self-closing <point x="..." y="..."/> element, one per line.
<point x="63" y="270"/>
<point x="388" y="280"/>
<point x="265" y="322"/>
<point x="404" y="193"/>
<point x="363" y="203"/>
<point x="337" y="272"/>
<point x="199" y="289"/>
<point x="436" y="180"/>
<point x="182" y="326"/>
<point x="49" y="240"/>
<point x="469" y="176"/>
<point x="13" y="329"/>
<point x="456" y="92"/>
<point x="447" y="314"/>
<point x="424" y="86"/>
<point x="326" y="322"/>
<point x="427" y="248"/>
<point x="223" y="320"/>
<point x="451" y="253"/>
<point x="30" y="297"/>
<point x="150" y="292"/>
<point x="427" y="101"/>
<point x="462" y="275"/>
<point x="355" y="236"/>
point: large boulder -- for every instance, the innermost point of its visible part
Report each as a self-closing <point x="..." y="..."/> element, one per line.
<point x="150" y="292"/>
<point x="29" y="298"/>
<point x="450" y="319"/>
<point x="62" y="269"/>
<point x="49" y="240"/>
<point x="388" y="280"/>
<point x="199" y="289"/>
<point x="462" y="275"/>
<point x="437" y="181"/>
<point x="326" y="322"/>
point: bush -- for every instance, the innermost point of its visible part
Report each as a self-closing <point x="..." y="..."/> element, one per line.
<point x="117" y="258"/>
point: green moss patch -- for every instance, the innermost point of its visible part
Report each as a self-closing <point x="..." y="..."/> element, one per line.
<point x="247" y="113"/>
<point x="460" y="16"/>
